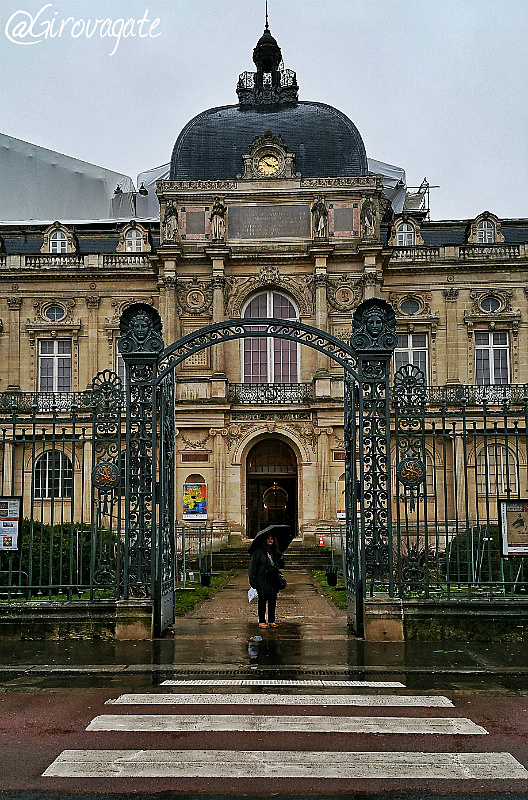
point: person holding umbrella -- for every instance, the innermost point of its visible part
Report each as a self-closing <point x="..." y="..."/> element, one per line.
<point x="265" y="563"/>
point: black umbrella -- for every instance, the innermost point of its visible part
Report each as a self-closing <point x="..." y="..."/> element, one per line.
<point x="283" y="534"/>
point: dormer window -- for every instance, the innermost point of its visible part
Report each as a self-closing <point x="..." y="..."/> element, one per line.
<point x="485" y="232"/>
<point x="58" y="242"/>
<point x="133" y="241"/>
<point x="133" y="238"/>
<point x="405" y="235"/>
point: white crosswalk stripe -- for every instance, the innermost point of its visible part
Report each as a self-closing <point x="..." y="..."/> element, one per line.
<point x="324" y="684"/>
<point x="301" y="724"/>
<point x="278" y="764"/>
<point x="366" y="700"/>
<point x="296" y="763"/>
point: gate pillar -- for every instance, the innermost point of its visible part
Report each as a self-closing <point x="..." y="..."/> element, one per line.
<point x="140" y="345"/>
<point x="373" y="339"/>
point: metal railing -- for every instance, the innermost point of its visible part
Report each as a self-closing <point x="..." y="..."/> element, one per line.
<point x="270" y="393"/>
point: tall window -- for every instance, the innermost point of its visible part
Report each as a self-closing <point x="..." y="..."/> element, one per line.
<point x="55" y="365"/>
<point x="53" y="475"/>
<point x="133" y="241"/>
<point x="405" y="235"/>
<point x="485" y="232"/>
<point x="491" y="357"/>
<point x="58" y="242"/>
<point x="411" y="348"/>
<point x="270" y="360"/>
<point x="497" y="470"/>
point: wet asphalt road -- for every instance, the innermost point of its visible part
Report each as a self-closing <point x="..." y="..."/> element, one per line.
<point x="51" y="691"/>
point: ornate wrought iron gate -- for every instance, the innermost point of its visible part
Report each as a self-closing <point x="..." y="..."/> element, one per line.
<point x="149" y="515"/>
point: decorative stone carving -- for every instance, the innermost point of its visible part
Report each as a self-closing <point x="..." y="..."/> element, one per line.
<point x="506" y="316"/>
<point x="169" y="225"/>
<point x="504" y="296"/>
<point x="196" y="444"/>
<point x="40" y="307"/>
<point x="197" y="186"/>
<point x="451" y="294"/>
<point x="92" y="301"/>
<point x="374" y="326"/>
<point x="217" y="219"/>
<point x="140" y="327"/>
<point x="319" y="212"/>
<point x="237" y="290"/>
<point x="268" y="157"/>
<point x="194" y="297"/>
<point x="344" y="293"/>
<point x="374" y="182"/>
<point x="14" y="302"/>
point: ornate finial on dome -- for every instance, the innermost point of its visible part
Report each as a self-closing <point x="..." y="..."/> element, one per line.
<point x="271" y="84"/>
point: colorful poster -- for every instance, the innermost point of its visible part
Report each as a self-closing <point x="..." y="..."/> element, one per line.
<point x="341" y="502"/>
<point x="10" y="517"/>
<point x="514" y="527"/>
<point x="194" y="501"/>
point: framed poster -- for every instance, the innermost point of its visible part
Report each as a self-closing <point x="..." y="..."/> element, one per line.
<point x="341" y="502"/>
<point x="10" y="522"/>
<point x="194" y="502"/>
<point x="514" y="527"/>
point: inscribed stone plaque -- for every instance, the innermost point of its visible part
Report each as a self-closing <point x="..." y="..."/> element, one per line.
<point x="195" y="223"/>
<point x="343" y="219"/>
<point x="269" y="222"/>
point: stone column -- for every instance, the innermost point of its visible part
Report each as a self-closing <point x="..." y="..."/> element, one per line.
<point x="92" y="305"/>
<point x="324" y="488"/>
<point x="13" y="367"/>
<point x="452" y="369"/>
<point x="218" y="255"/>
<point x="219" y="480"/>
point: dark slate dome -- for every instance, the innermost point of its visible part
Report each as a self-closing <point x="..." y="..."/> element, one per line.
<point x="325" y="141"/>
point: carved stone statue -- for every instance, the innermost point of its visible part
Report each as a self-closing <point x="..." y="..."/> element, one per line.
<point x="368" y="218"/>
<point x="170" y="222"/>
<point x="217" y="219"/>
<point x="320" y="218"/>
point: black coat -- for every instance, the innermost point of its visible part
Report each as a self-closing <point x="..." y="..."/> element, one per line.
<point x="263" y="571"/>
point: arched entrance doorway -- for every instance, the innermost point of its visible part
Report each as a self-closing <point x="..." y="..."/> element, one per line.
<point x="271" y="485"/>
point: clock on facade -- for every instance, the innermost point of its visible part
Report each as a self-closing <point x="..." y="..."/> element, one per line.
<point x="268" y="164"/>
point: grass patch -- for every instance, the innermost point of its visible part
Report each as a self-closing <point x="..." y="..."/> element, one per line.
<point x="337" y="594"/>
<point x="187" y="599"/>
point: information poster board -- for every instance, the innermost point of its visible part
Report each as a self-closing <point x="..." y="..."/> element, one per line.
<point x="341" y="502"/>
<point x="10" y="522"/>
<point x="514" y="527"/>
<point x="194" y="502"/>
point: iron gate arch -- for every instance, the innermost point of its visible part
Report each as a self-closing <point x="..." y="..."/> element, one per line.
<point x="150" y="446"/>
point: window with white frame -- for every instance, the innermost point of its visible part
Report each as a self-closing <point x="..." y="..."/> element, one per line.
<point x="497" y="470"/>
<point x="133" y="241"/>
<point x="485" y="232"/>
<point x="58" y="242"/>
<point x="270" y="360"/>
<point x="411" y="348"/>
<point x="55" y="358"/>
<point x="491" y="357"/>
<point x="405" y="235"/>
<point x="52" y="475"/>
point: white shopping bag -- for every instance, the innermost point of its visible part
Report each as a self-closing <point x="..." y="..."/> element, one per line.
<point x="252" y="593"/>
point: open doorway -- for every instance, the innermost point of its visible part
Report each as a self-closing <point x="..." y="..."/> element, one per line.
<point x="271" y="486"/>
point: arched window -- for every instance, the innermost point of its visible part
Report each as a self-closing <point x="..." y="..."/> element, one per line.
<point x="485" y="232"/>
<point x="405" y="235"/>
<point x="53" y="475"/>
<point x="58" y="242"/>
<point x="270" y="360"/>
<point x="133" y="241"/>
<point x="497" y="471"/>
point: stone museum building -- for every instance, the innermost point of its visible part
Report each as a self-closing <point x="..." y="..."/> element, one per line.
<point x="269" y="208"/>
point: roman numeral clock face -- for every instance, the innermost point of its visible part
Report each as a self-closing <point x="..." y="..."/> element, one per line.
<point x="268" y="164"/>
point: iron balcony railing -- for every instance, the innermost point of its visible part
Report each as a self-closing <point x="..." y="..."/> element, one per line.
<point x="43" y="402"/>
<point x="270" y="393"/>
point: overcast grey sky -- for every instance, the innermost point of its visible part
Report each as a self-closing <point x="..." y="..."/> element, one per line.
<point x="438" y="87"/>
